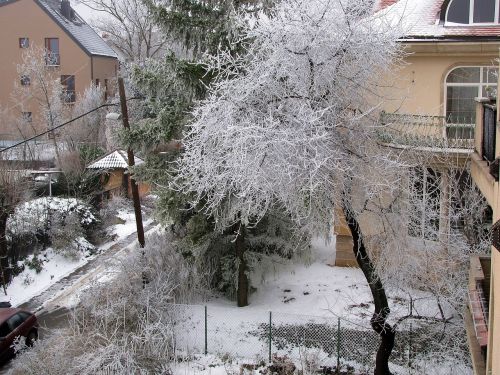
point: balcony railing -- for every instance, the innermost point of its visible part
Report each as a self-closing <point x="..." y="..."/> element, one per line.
<point x="52" y="59"/>
<point x="425" y="131"/>
<point x="479" y="284"/>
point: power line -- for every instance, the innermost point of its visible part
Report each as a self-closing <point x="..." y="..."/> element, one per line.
<point x="58" y="126"/>
<point x="63" y="124"/>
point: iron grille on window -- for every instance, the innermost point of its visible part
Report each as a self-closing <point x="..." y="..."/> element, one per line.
<point x="52" y="56"/>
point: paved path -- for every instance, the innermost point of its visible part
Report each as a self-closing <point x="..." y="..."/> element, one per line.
<point x="47" y="305"/>
<point x="81" y="274"/>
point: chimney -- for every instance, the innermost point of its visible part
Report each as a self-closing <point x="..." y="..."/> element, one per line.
<point x="66" y="9"/>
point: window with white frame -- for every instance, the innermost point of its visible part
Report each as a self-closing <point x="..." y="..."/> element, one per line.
<point x="475" y="12"/>
<point x="462" y="85"/>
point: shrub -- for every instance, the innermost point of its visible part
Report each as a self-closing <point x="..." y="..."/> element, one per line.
<point x="56" y="222"/>
<point x="123" y="326"/>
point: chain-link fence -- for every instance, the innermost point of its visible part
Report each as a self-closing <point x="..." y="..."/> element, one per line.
<point x="326" y="342"/>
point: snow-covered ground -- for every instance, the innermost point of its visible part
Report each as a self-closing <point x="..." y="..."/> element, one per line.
<point x="29" y="283"/>
<point x="306" y="299"/>
<point x="312" y="286"/>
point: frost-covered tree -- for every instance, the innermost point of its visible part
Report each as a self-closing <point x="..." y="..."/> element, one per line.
<point x="40" y="87"/>
<point x="123" y="326"/>
<point x="82" y="142"/>
<point x="171" y="87"/>
<point x="289" y="123"/>
<point x="129" y="27"/>
<point x="78" y="143"/>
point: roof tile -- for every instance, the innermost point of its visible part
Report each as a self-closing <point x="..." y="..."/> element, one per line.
<point x="421" y="20"/>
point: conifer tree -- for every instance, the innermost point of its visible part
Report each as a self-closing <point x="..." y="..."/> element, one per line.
<point x="198" y="29"/>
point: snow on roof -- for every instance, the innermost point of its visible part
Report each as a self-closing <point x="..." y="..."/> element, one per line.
<point x="421" y="20"/>
<point x="114" y="160"/>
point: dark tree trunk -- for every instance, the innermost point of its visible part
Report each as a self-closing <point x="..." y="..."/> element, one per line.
<point x="242" y="292"/>
<point x="4" y="261"/>
<point x="378" y="320"/>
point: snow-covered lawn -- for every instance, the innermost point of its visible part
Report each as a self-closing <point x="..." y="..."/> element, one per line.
<point x="306" y="297"/>
<point x="29" y="283"/>
<point x="312" y="286"/>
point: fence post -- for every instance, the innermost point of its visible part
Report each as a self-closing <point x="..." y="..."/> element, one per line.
<point x="338" y="346"/>
<point x="206" y="331"/>
<point x="409" y="349"/>
<point x="270" y="334"/>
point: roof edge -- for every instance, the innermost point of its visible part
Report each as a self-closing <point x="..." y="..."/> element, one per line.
<point x="7" y="2"/>
<point x="82" y="47"/>
<point x="449" y="38"/>
<point x="38" y="2"/>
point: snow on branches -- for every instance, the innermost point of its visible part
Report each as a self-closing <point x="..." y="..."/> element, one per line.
<point x="290" y="119"/>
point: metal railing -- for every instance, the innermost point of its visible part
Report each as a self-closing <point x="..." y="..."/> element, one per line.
<point x="479" y="309"/>
<point x="52" y="59"/>
<point x="425" y="131"/>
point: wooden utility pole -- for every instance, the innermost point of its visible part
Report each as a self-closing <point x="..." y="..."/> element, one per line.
<point x="131" y="163"/>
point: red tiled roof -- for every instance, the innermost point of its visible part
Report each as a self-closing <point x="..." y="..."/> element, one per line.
<point x="385" y="3"/>
<point x="421" y="20"/>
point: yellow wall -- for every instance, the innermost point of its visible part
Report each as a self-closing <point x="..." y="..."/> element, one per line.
<point x="491" y="191"/>
<point x="493" y="358"/>
<point x="418" y="87"/>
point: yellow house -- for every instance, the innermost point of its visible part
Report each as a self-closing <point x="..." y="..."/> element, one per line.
<point x="74" y="53"/>
<point x="443" y="103"/>
<point x="451" y="51"/>
<point x="483" y="315"/>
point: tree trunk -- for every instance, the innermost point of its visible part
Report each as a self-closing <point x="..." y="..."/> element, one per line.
<point x="242" y="292"/>
<point x="378" y="320"/>
<point x="4" y="261"/>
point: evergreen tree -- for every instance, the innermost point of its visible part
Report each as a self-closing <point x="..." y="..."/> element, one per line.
<point x="198" y="29"/>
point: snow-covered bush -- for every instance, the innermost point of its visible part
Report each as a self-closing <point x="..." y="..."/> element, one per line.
<point x="62" y="223"/>
<point x="125" y="325"/>
<point x="39" y="214"/>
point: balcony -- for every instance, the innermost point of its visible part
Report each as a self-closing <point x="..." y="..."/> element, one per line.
<point x="424" y="131"/>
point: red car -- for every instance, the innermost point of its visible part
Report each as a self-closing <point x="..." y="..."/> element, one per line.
<point x="13" y="323"/>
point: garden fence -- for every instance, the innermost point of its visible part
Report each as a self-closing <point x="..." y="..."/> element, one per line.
<point x="331" y="342"/>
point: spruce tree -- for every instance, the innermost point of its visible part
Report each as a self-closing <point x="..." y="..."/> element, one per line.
<point x="171" y="87"/>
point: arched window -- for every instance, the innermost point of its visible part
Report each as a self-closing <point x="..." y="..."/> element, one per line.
<point x="473" y="12"/>
<point x="465" y="83"/>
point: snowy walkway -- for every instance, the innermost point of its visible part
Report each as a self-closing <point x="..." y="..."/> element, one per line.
<point x="67" y="283"/>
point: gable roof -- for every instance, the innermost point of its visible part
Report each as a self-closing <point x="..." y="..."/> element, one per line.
<point x="423" y="20"/>
<point x="77" y="29"/>
<point x="114" y="160"/>
<point x="84" y="35"/>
